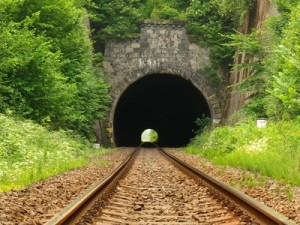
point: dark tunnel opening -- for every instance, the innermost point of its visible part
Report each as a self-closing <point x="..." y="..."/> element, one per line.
<point x="166" y="103"/>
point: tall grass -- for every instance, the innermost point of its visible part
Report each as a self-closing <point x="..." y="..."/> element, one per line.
<point x="273" y="151"/>
<point x="29" y="152"/>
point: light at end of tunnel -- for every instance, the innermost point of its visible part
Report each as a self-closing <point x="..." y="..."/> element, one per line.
<point x="149" y="136"/>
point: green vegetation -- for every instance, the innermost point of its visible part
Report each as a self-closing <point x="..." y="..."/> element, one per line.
<point x="249" y="180"/>
<point x="29" y="152"/>
<point x="50" y="74"/>
<point x="274" y="80"/>
<point x="149" y="135"/>
<point x="120" y="19"/>
<point x="283" y="87"/>
<point x="273" y="150"/>
<point x="168" y="10"/>
<point x="211" y="21"/>
<point x="46" y="65"/>
<point x="274" y="84"/>
<point x="117" y="19"/>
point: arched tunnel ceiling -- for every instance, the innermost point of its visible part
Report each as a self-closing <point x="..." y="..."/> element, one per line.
<point x="166" y="103"/>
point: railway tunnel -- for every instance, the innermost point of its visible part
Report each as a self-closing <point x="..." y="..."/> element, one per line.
<point x="167" y="103"/>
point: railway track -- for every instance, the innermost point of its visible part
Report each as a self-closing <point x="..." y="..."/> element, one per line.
<point x="155" y="192"/>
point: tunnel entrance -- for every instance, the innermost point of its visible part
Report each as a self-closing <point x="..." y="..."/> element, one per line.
<point x="167" y="103"/>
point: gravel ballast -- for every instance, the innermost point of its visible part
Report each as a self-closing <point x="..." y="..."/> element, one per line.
<point x="281" y="197"/>
<point x="37" y="203"/>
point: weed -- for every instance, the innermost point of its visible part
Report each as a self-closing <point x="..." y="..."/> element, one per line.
<point x="289" y="193"/>
<point x="221" y="170"/>
<point x="277" y="189"/>
<point x="100" y="162"/>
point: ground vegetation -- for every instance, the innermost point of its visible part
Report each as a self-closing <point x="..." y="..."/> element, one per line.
<point x="273" y="151"/>
<point x="29" y="152"/>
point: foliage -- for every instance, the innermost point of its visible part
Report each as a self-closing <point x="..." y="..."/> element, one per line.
<point x="149" y="135"/>
<point x="284" y="82"/>
<point x="212" y="20"/>
<point x="248" y="46"/>
<point x="120" y="19"/>
<point x="47" y="72"/>
<point x="117" y="19"/>
<point x="211" y="23"/>
<point x="235" y="9"/>
<point x="202" y="123"/>
<point x="272" y="60"/>
<point x="285" y="6"/>
<point x="164" y="10"/>
<point x="29" y="152"/>
<point x="260" y="150"/>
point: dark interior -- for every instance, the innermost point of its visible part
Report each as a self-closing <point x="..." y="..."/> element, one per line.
<point x="166" y="103"/>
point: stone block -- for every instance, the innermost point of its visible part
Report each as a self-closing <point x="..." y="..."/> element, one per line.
<point x="149" y="31"/>
<point x="136" y="45"/>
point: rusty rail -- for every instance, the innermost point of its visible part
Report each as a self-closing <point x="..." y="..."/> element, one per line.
<point x="264" y="214"/>
<point x="77" y="208"/>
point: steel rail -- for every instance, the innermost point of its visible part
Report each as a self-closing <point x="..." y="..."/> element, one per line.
<point x="262" y="213"/>
<point x="77" y="208"/>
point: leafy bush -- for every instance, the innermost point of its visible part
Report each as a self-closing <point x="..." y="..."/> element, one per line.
<point x="29" y="152"/>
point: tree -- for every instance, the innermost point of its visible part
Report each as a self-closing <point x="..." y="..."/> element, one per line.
<point x="284" y="82"/>
<point x="117" y="19"/>
<point x="273" y="84"/>
<point x="46" y="60"/>
<point x="168" y="10"/>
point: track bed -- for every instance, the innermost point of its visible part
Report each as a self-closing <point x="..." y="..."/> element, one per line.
<point x="156" y="192"/>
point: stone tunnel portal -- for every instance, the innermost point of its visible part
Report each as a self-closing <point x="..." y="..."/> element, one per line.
<point x="166" y="103"/>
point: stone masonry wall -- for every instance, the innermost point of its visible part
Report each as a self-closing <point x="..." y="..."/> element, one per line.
<point x="163" y="47"/>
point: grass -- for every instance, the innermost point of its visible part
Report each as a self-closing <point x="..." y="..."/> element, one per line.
<point x="250" y="181"/>
<point x="273" y="151"/>
<point x="29" y="152"/>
